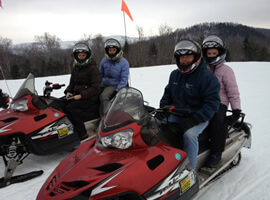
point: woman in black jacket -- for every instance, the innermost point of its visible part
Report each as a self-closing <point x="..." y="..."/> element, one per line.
<point x="84" y="88"/>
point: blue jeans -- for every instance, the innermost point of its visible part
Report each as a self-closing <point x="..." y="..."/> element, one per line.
<point x="191" y="143"/>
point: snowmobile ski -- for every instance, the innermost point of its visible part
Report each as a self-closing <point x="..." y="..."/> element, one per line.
<point x="19" y="178"/>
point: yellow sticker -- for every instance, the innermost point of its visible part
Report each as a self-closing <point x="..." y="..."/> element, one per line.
<point x="185" y="184"/>
<point x="62" y="132"/>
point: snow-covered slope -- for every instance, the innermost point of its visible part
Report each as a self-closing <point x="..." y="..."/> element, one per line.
<point x="250" y="180"/>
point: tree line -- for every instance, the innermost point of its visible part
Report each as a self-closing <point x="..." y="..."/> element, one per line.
<point x="46" y="57"/>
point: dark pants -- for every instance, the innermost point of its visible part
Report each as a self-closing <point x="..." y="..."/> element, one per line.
<point x="80" y="111"/>
<point x="218" y="131"/>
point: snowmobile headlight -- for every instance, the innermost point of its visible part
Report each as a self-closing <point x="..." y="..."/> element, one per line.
<point x="119" y="140"/>
<point x="20" y="106"/>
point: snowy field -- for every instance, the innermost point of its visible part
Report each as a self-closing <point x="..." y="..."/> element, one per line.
<point x="250" y="180"/>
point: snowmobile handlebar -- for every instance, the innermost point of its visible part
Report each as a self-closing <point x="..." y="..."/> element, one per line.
<point x="48" y="88"/>
<point x="57" y="86"/>
<point x="174" y="111"/>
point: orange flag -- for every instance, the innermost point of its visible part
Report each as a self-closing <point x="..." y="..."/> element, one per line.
<point x="125" y="9"/>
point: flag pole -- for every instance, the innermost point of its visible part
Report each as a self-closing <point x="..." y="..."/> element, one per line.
<point x="125" y="26"/>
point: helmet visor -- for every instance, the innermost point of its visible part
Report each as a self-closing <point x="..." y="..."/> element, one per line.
<point x="79" y="48"/>
<point x="110" y="43"/>
<point x="185" y="47"/>
<point x="213" y="41"/>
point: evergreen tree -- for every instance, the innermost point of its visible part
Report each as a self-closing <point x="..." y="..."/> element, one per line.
<point x="26" y="68"/>
<point x="153" y="51"/>
<point x="126" y="49"/>
<point x="251" y="49"/>
<point x="15" y="73"/>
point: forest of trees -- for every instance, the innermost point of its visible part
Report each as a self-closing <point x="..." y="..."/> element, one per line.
<point x="45" y="57"/>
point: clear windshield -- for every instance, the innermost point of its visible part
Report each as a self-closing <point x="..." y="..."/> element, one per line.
<point x="28" y="87"/>
<point x="127" y="107"/>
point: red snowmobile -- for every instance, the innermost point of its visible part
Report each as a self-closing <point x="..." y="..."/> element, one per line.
<point x="32" y="125"/>
<point x="129" y="159"/>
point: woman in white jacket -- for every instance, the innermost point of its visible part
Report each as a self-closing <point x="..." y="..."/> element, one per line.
<point x="214" y="52"/>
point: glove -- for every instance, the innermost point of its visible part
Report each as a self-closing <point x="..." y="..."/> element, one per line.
<point x="160" y="115"/>
<point x="188" y="123"/>
<point x="230" y="120"/>
<point x="166" y="109"/>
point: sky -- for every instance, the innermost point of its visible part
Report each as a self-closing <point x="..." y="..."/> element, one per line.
<point x="70" y="20"/>
<point x="249" y="180"/>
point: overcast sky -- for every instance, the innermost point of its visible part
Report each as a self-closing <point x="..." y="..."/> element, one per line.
<point x="22" y="20"/>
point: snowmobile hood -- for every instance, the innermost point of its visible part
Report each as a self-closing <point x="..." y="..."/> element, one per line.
<point x="16" y="122"/>
<point x="94" y="171"/>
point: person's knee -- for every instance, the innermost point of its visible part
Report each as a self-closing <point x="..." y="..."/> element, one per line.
<point x="190" y="136"/>
<point x="103" y="97"/>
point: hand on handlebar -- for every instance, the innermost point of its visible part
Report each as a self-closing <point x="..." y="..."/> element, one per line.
<point x="77" y="97"/>
<point x="164" y="111"/>
<point x="69" y="95"/>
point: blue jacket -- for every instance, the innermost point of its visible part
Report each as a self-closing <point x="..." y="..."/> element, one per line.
<point x="197" y="91"/>
<point x="114" y="73"/>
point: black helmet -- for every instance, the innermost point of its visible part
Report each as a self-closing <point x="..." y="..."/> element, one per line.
<point x="82" y="48"/>
<point x="112" y="43"/>
<point x="187" y="47"/>
<point x="214" y="42"/>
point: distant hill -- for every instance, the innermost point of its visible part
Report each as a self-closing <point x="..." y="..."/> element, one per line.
<point x="234" y="35"/>
<point x="243" y="43"/>
<point x="70" y="44"/>
<point x="225" y="31"/>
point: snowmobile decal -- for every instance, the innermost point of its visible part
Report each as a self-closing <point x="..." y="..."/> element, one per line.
<point x="54" y="129"/>
<point x="172" y="182"/>
<point x="101" y="189"/>
<point x="3" y="129"/>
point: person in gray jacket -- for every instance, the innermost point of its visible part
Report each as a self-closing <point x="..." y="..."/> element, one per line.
<point x="214" y="52"/>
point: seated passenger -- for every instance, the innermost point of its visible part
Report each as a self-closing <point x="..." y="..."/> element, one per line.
<point x="84" y="86"/>
<point x="214" y="52"/>
<point x="114" y="72"/>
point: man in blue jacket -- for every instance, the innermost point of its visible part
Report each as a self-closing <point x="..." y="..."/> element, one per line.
<point x="191" y="87"/>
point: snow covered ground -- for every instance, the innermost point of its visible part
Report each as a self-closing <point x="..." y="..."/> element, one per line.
<point x="250" y="180"/>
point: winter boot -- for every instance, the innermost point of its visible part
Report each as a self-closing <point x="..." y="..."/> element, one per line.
<point x="214" y="160"/>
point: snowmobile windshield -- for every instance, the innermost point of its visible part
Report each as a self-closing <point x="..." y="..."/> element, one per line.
<point x="27" y="88"/>
<point x="127" y="107"/>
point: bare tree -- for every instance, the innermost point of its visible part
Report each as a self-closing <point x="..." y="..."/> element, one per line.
<point x="48" y="44"/>
<point x="164" y="30"/>
<point x="86" y="39"/>
<point x="140" y="32"/>
<point x="98" y="48"/>
<point x="5" y="55"/>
